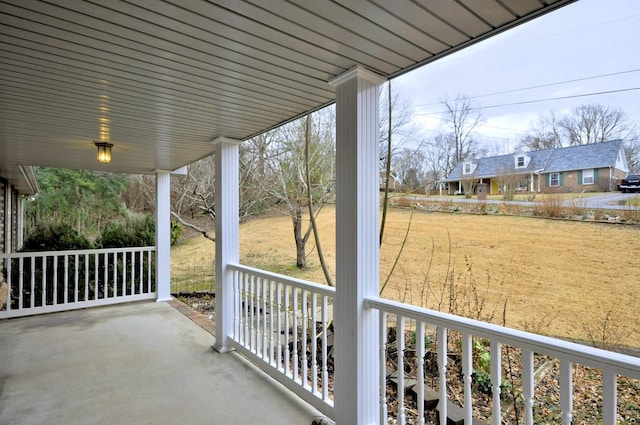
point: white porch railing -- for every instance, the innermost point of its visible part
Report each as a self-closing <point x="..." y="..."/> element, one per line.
<point x="45" y="282"/>
<point x="430" y="325"/>
<point x="283" y="325"/>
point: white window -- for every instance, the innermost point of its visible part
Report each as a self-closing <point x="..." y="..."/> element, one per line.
<point x="466" y="168"/>
<point x="521" y="161"/>
<point x="587" y="177"/>
<point x="554" y="179"/>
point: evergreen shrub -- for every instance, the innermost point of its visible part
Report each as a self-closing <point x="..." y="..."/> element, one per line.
<point x="55" y="237"/>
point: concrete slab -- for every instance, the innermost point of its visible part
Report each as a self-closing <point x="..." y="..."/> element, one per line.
<point x="141" y="363"/>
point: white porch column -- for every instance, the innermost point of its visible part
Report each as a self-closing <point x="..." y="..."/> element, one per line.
<point x="227" y="201"/>
<point x="356" y="390"/>
<point x="163" y="235"/>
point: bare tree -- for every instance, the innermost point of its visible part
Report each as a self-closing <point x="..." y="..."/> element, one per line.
<point x="462" y="118"/>
<point x="594" y="124"/>
<point x="546" y="133"/>
<point x="397" y="111"/>
<point x="586" y="124"/>
<point x="440" y="157"/>
<point x="293" y="157"/>
<point x="411" y="168"/>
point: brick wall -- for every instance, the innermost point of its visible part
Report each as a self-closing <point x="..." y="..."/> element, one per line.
<point x="571" y="182"/>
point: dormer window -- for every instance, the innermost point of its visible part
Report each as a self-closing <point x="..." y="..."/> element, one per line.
<point x="468" y="168"/>
<point x="522" y="161"/>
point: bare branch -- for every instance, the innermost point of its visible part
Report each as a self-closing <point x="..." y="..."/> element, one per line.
<point x="193" y="226"/>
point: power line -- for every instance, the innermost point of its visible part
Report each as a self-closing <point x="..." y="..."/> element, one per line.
<point x="526" y="102"/>
<point x="575" y="80"/>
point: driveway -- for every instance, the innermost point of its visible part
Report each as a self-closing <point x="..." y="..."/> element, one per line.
<point x="608" y="201"/>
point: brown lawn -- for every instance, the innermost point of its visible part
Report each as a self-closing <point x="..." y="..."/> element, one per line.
<point x="569" y="279"/>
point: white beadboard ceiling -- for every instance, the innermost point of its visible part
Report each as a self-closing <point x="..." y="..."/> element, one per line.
<point x="161" y="78"/>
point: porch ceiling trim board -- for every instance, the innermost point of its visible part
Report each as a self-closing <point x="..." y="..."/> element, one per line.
<point x="169" y="76"/>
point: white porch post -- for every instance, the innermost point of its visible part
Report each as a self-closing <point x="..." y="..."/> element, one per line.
<point x="227" y="201"/>
<point x="163" y="235"/>
<point x="357" y="394"/>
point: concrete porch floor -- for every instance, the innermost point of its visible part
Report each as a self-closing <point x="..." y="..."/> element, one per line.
<point x="139" y="363"/>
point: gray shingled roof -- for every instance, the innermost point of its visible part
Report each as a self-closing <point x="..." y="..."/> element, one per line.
<point x="583" y="157"/>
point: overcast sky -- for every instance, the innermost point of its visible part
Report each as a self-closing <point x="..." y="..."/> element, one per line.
<point x="593" y="43"/>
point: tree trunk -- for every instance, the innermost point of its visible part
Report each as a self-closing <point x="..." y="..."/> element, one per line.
<point x="301" y="255"/>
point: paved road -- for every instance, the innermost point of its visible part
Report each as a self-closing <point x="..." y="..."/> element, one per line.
<point x="608" y="201"/>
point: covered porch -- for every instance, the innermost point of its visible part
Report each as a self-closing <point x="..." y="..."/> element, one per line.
<point x="170" y="83"/>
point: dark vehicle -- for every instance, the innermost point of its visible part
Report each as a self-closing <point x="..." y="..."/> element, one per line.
<point x="630" y="184"/>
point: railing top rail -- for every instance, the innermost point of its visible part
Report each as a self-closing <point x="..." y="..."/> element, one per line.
<point x="75" y="251"/>
<point x="303" y="284"/>
<point x="601" y="359"/>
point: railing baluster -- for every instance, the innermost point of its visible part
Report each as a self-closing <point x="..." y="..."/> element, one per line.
<point x="294" y="334"/>
<point x="20" y="283"/>
<point x="114" y="289"/>
<point x="105" y="273"/>
<point x="442" y="371"/>
<point x="66" y="279"/>
<point x="124" y="273"/>
<point x="9" y="265"/>
<point x="287" y="331"/>
<point x="325" y="352"/>
<point x="496" y="380"/>
<point x="86" y="277"/>
<point x="528" y="385"/>
<point x="400" y="346"/>
<point x="263" y="314"/>
<point x="240" y="283"/>
<point x="133" y="273"/>
<point x="252" y="313"/>
<point x="55" y="280"/>
<point x="32" y="284"/>
<point x="246" y="294"/>
<point x="566" y="391"/>
<point x="95" y="276"/>
<point x="272" y="319"/>
<point x="304" y="375"/>
<point x="279" y="363"/>
<point x="76" y="272"/>
<point x="609" y="398"/>
<point x="152" y="256"/>
<point x="314" y="343"/>
<point x="147" y="282"/>
<point x="237" y="306"/>
<point x="44" y="281"/>
<point x="257" y="326"/>
<point x="141" y="277"/>
<point x="420" y="328"/>
<point x="383" y="368"/>
<point x="467" y="371"/>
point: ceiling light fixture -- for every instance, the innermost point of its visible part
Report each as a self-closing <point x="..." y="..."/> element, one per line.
<point x="104" y="151"/>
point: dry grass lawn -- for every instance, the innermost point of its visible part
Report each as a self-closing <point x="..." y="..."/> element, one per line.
<point x="569" y="279"/>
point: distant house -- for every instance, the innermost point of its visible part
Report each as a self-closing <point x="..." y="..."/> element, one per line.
<point x="594" y="167"/>
<point x="15" y="184"/>
<point x="394" y="184"/>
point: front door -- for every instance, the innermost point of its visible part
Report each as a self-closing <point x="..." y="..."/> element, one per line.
<point x="495" y="189"/>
